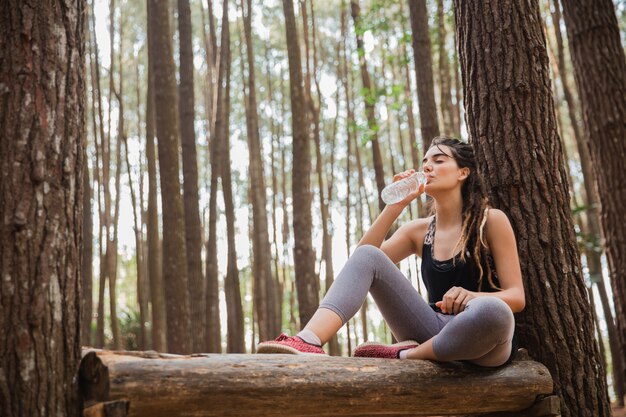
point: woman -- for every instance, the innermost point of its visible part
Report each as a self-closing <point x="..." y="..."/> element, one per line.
<point x="470" y="268"/>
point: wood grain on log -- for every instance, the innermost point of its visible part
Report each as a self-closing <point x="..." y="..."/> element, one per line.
<point x="279" y="385"/>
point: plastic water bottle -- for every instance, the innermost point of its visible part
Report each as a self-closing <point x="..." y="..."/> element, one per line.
<point x="397" y="191"/>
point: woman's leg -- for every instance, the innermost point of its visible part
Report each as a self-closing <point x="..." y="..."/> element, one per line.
<point x="370" y="270"/>
<point x="481" y="334"/>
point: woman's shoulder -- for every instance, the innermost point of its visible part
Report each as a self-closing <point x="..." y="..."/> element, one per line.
<point x="417" y="230"/>
<point x="496" y="218"/>
<point x="497" y="224"/>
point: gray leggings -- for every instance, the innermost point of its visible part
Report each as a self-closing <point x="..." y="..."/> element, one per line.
<point x="481" y="334"/>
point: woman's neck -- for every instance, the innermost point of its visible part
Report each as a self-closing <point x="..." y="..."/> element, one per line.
<point x="448" y="211"/>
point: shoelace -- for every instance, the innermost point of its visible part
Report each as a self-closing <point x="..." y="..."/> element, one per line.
<point x="282" y="337"/>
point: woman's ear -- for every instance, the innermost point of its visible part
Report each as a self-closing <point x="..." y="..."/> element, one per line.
<point x="464" y="173"/>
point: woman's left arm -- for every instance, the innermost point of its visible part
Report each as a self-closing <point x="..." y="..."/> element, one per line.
<point x="500" y="239"/>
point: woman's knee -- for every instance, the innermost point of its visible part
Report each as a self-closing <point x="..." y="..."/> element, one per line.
<point x="492" y="312"/>
<point x="368" y="252"/>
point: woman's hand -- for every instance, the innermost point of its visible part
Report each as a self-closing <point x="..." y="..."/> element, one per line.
<point x="455" y="300"/>
<point x="420" y="190"/>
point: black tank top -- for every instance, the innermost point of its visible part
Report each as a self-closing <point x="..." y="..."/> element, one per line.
<point x="440" y="276"/>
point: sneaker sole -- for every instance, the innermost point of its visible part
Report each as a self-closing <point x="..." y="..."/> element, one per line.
<point x="277" y="348"/>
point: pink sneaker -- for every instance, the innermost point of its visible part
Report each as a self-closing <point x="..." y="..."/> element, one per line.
<point x="289" y="344"/>
<point x="380" y="350"/>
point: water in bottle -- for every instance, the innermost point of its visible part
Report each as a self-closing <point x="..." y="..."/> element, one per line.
<point x="397" y="191"/>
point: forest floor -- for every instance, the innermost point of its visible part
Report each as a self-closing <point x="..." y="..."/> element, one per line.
<point x="618" y="412"/>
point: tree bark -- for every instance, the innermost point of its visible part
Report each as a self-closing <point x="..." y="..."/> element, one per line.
<point x="174" y="263"/>
<point x="511" y="121"/>
<point x="265" y="293"/>
<point x="423" y="71"/>
<point x="370" y="103"/>
<point x="193" y="231"/>
<point x="41" y="188"/>
<point x="600" y="74"/>
<point x="304" y="256"/>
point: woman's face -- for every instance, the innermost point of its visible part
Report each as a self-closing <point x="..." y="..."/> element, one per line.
<point x="441" y="170"/>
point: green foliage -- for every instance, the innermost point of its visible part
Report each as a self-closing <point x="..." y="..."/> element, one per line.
<point x="130" y="328"/>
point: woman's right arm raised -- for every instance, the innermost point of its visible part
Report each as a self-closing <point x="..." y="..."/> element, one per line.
<point x="401" y="244"/>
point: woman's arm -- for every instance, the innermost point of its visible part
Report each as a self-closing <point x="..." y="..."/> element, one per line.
<point x="401" y="244"/>
<point x="503" y="247"/>
<point x="500" y="238"/>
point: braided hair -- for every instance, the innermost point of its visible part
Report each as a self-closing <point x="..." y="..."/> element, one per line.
<point x="474" y="209"/>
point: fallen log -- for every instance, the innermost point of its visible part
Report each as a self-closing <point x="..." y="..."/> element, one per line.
<point x="304" y="385"/>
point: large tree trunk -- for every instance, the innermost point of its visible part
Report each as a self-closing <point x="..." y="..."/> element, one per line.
<point x="304" y="256"/>
<point x="265" y="288"/>
<point x="174" y="253"/>
<point x="591" y="225"/>
<point x="193" y="231"/>
<point x="600" y="74"/>
<point x="511" y="121"/>
<point x="41" y="190"/>
<point x="155" y="277"/>
<point x="236" y="342"/>
<point x="370" y="103"/>
<point x="423" y="71"/>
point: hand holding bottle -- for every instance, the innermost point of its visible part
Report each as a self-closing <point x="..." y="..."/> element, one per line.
<point x="406" y="186"/>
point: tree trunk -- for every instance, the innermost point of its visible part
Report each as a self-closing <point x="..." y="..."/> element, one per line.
<point x="510" y="111"/>
<point x="445" y="101"/>
<point x="213" y="331"/>
<point x="98" y="129"/>
<point x="591" y="227"/>
<point x="174" y="253"/>
<point x="41" y="189"/>
<point x="304" y="256"/>
<point x="103" y="183"/>
<point x="143" y="290"/>
<point x="193" y="231"/>
<point x="138" y="240"/>
<point x="87" y="257"/>
<point x="111" y="252"/>
<point x="265" y="292"/>
<point x="274" y="149"/>
<point x="236" y="343"/>
<point x="600" y="74"/>
<point x="415" y="150"/>
<point x="370" y="103"/>
<point x="423" y="71"/>
<point x="159" y="334"/>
